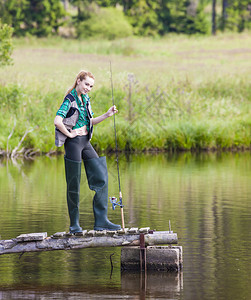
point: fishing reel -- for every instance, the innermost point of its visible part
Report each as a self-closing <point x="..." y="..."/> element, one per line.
<point x="114" y="201"/>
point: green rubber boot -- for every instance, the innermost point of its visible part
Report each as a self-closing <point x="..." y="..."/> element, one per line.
<point x="96" y="172"/>
<point x="73" y="175"/>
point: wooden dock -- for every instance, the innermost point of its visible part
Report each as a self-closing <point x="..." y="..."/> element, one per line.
<point x="37" y="242"/>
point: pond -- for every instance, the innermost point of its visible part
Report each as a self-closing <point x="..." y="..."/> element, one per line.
<point x="206" y="196"/>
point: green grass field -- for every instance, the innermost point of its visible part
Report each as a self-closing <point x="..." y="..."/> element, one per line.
<point x="178" y="92"/>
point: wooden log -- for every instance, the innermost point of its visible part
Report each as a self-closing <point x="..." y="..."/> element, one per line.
<point x="91" y="239"/>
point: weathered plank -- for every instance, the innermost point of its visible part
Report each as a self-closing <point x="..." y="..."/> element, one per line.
<point x="91" y="239"/>
<point x="28" y="237"/>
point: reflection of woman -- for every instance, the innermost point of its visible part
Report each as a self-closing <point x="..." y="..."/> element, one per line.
<point x="74" y="123"/>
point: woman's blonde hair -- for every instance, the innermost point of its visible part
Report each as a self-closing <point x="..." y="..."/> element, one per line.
<point x="81" y="75"/>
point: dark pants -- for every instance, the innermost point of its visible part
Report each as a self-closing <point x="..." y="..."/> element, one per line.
<point x="79" y="148"/>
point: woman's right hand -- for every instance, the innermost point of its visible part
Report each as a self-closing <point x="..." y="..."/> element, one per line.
<point x="58" y="122"/>
<point x="79" y="131"/>
<point x="73" y="134"/>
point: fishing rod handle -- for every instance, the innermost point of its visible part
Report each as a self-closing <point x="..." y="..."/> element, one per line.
<point x="122" y="218"/>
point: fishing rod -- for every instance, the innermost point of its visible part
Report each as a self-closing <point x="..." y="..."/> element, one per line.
<point x="114" y="199"/>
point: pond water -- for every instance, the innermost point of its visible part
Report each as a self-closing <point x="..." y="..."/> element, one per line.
<point x="206" y="196"/>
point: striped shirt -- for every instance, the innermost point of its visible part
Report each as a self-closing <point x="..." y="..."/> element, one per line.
<point x="83" y="116"/>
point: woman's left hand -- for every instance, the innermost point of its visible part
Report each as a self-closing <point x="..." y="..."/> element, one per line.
<point x="111" y="111"/>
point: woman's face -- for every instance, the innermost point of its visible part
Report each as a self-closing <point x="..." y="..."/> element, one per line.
<point x="85" y="85"/>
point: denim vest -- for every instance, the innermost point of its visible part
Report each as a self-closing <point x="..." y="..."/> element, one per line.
<point x="70" y="121"/>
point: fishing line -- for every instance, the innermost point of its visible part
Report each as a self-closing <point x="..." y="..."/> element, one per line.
<point x="113" y="199"/>
<point x="115" y="133"/>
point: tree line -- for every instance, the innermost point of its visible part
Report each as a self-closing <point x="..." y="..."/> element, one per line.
<point x="125" y="17"/>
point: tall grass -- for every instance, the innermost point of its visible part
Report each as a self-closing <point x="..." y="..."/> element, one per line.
<point x="180" y="93"/>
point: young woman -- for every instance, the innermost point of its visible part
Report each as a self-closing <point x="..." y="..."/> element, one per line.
<point x="74" y="124"/>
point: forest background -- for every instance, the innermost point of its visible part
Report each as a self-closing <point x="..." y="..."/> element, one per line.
<point x="181" y="71"/>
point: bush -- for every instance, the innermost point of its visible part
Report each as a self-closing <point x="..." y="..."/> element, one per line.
<point x="6" y="46"/>
<point x="109" y="23"/>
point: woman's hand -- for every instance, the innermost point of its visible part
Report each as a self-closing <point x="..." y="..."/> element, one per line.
<point x="58" y="122"/>
<point x="73" y="134"/>
<point x="111" y="111"/>
<point x="79" y="131"/>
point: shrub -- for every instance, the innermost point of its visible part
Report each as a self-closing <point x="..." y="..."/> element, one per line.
<point x="6" y="46"/>
<point x="109" y="23"/>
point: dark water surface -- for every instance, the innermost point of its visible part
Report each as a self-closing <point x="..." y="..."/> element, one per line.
<point x="206" y="196"/>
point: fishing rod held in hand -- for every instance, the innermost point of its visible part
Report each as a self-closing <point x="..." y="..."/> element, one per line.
<point x="114" y="199"/>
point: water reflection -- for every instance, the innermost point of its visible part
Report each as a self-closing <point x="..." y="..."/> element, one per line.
<point x="206" y="196"/>
<point x="133" y="286"/>
<point x="152" y="284"/>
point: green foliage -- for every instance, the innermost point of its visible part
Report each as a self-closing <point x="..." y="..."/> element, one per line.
<point x="11" y="96"/>
<point x="34" y="17"/>
<point x="107" y="23"/>
<point x="13" y="12"/>
<point x="185" y="17"/>
<point x="144" y="18"/>
<point x="6" y="46"/>
<point x="173" y="100"/>
<point x="214" y="124"/>
<point x="43" y="17"/>
<point x="197" y="23"/>
<point x="107" y="3"/>
<point x="151" y="17"/>
<point x="100" y="18"/>
<point x="30" y="110"/>
<point x="238" y="15"/>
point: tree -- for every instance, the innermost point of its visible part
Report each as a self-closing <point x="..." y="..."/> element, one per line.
<point x="86" y="8"/>
<point x="235" y="15"/>
<point x="6" y="46"/>
<point x="196" y="21"/>
<point x="43" y="17"/>
<point x="12" y="12"/>
<point x="238" y="15"/>
<point x="36" y="17"/>
<point x="143" y="16"/>
<point x="160" y="17"/>
<point x="224" y="14"/>
<point x="214" y="17"/>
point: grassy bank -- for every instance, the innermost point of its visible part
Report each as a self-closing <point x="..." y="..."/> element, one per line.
<point x="172" y="93"/>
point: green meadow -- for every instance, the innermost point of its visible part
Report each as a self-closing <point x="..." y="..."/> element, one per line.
<point x="173" y="93"/>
